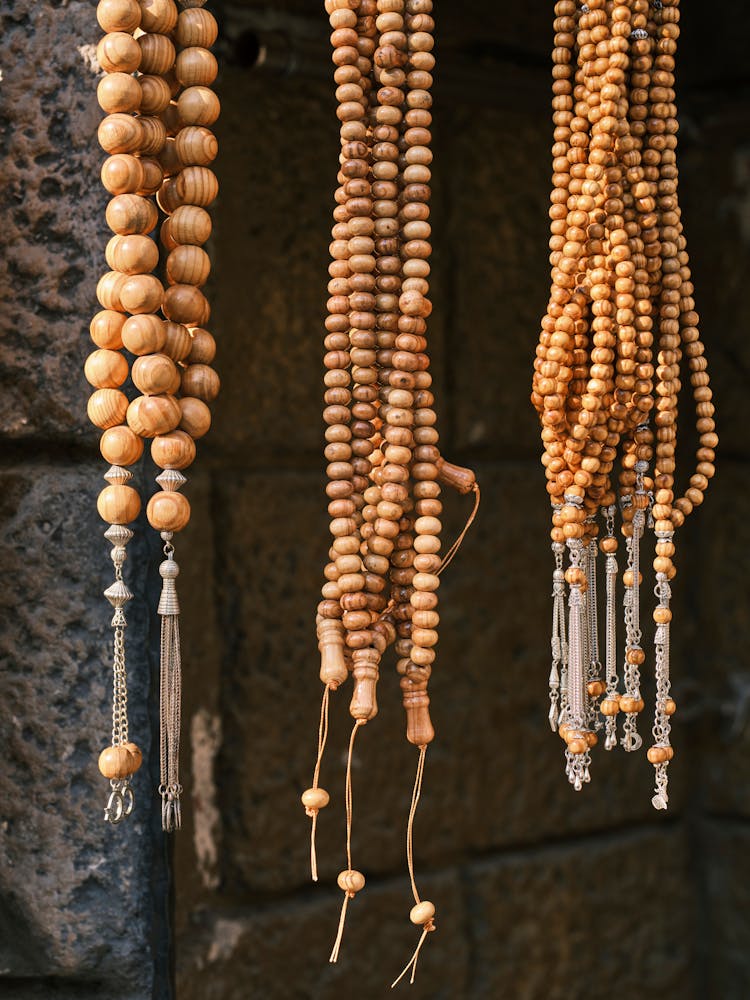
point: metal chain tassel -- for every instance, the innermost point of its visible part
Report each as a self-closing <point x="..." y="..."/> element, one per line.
<point x="594" y="686"/>
<point x="170" y="690"/>
<point x="631" y="703"/>
<point x="577" y="757"/>
<point x="559" y="669"/>
<point x="610" y="706"/>
<point x="660" y="753"/>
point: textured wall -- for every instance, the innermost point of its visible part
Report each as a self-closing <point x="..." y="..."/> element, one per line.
<point x="540" y="893"/>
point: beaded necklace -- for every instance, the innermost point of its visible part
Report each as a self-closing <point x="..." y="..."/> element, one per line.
<point x="607" y="370"/>
<point x="158" y="104"/>
<point x="385" y="468"/>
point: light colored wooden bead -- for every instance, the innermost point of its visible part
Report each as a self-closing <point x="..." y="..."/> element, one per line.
<point x="333" y="669"/>
<point x="154" y="135"/>
<point x="196" y="67"/>
<point x="423" y="913"/>
<point x="177" y="341"/>
<point x="188" y="265"/>
<point x="203" y="349"/>
<point x="152" y="415"/>
<point x="154" y="374"/>
<point x="118" y="15"/>
<point x="122" y="174"/>
<point x="120" y="134"/>
<point x="190" y="224"/>
<point x="659" y="755"/>
<point x="175" y="450"/>
<point x="315" y="799"/>
<point x="196" y="27"/>
<point x="201" y="381"/>
<point x="144" y="334"/>
<point x="196" y="146"/>
<point x="155" y="95"/>
<point x="141" y="293"/>
<point x="118" y="504"/>
<point x="157" y="54"/>
<point x="136" y="756"/>
<point x="198" y="106"/>
<point x="670" y="706"/>
<point x="153" y="176"/>
<point x="168" y="511"/>
<point x="596" y="688"/>
<point x="159" y="16"/>
<point x="118" y="52"/>
<point x="662" y="616"/>
<point x="195" y="416"/>
<point x="197" y="186"/>
<point x="130" y="213"/>
<point x="118" y="92"/>
<point x="186" y="304"/>
<point x="132" y="254"/>
<point x="631" y="705"/>
<point x="120" y="446"/>
<point x="351" y="881"/>
<point x="107" y="407"/>
<point x="115" y="762"/>
<point x="459" y="478"/>
<point x="106" y="329"/>
<point x="108" y="290"/>
<point x="106" y="369"/>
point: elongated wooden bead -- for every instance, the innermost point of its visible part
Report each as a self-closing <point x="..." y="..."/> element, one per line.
<point x="107" y="407"/>
<point x="118" y="15"/>
<point x="118" y="92"/>
<point x="196" y="27"/>
<point x="152" y="415"/>
<point x="120" y="446"/>
<point x="175" y="450"/>
<point x="118" y="504"/>
<point x="154" y="374"/>
<point x="198" y="106"/>
<point x="190" y="224"/>
<point x="155" y="95"/>
<point x="203" y="347"/>
<point x="188" y="265"/>
<point x="200" y="381"/>
<point x="144" y="334"/>
<point x="168" y="511"/>
<point x="132" y="254"/>
<point x="196" y="416"/>
<point x="159" y="16"/>
<point x="130" y="213"/>
<point x="118" y="52"/>
<point x="196" y="146"/>
<point x="141" y="293"/>
<point x="197" y="186"/>
<point x="122" y="174"/>
<point x="186" y="304"/>
<point x="177" y="341"/>
<point x="106" y="369"/>
<point x="157" y="54"/>
<point x="120" y="133"/>
<point x="196" y="67"/>
<point x="106" y="329"/>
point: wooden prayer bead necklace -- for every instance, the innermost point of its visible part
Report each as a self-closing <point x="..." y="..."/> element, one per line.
<point x="385" y="467"/>
<point x="158" y="103"/>
<point x="621" y="292"/>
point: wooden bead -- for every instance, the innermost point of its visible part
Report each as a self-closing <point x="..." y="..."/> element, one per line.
<point x="168" y="511"/>
<point x="460" y="479"/>
<point x="175" y="450"/>
<point x="662" y="616"/>
<point x="188" y="265"/>
<point x="200" y="381"/>
<point x="196" y="146"/>
<point x="130" y="213"/>
<point x="198" y="106"/>
<point x="631" y="705"/>
<point x="169" y="197"/>
<point x="186" y="304"/>
<point x="670" y="706"/>
<point x="190" y="224"/>
<point x="107" y="407"/>
<point x="118" y="52"/>
<point x="196" y="67"/>
<point x="610" y="706"/>
<point x="157" y="54"/>
<point x="197" y="186"/>
<point x="122" y="173"/>
<point x="106" y="369"/>
<point x="423" y="913"/>
<point x="108" y="290"/>
<point x="596" y="688"/>
<point x="177" y="342"/>
<point x="577" y="746"/>
<point x="169" y="161"/>
<point x="115" y="763"/>
<point x="636" y="656"/>
<point x="118" y="92"/>
<point x="659" y="755"/>
<point x="120" y="133"/>
<point x="196" y="27"/>
<point x="144" y="334"/>
<point x="152" y="415"/>
<point x="351" y="881"/>
<point x="132" y="254"/>
<point x="165" y="235"/>
<point x="155" y="95"/>
<point x="314" y="799"/>
<point x="203" y="349"/>
<point x="120" y="446"/>
<point x="141" y="293"/>
<point x="154" y="374"/>
<point x="159" y="16"/>
<point x="118" y="15"/>
<point x="196" y="416"/>
<point x="106" y="329"/>
<point x="333" y="669"/>
<point x="153" y="135"/>
<point x="136" y="756"/>
<point x="118" y="504"/>
<point x="153" y="175"/>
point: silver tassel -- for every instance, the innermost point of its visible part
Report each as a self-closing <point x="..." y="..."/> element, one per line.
<point x="558" y="670"/>
<point x="576" y="764"/>
<point x="662" y="724"/>
<point x="610" y="653"/>
<point x="170" y="691"/>
<point x="594" y="667"/>
<point x="632" y="676"/>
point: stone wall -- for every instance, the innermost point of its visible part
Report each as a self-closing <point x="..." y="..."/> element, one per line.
<point x="541" y="893"/>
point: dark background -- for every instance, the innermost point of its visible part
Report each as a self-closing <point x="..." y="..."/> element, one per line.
<point x="540" y="893"/>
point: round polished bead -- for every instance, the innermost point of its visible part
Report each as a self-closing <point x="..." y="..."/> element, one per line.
<point x="106" y="369"/>
<point x="152" y="415"/>
<point x="144" y="334"/>
<point x="107" y="407"/>
<point x="200" y="381"/>
<point x="120" y="446"/>
<point x="175" y="450"/>
<point x="195" y="416"/>
<point x="168" y="511"/>
<point x="118" y="504"/>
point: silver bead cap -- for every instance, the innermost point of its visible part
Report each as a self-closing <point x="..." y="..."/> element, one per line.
<point x="118" y="594"/>
<point x="118" y="476"/>
<point x="118" y="534"/>
<point x="171" y="479"/>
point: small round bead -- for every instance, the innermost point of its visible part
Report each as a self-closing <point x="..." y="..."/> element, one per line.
<point x="120" y="133"/>
<point x="196" y="146"/>
<point x="196" y="417"/>
<point x="154" y="374"/>
<point x="155" y="94"/>
<point x="659" y="755"/>
<point x="120" y="446"/>
<point x="141" y="293"/>
<point x="118" y="52"/>
<point x="153" y="137"/>
<point x="118" y="15"/>
<point x="118" y="92"/>
<point x="108" y="290"/>
<point x="197" y="186"/>
<point x="158" y="16"/>
<point x="144" y="334"/>
<point x="115" y="762"/>
<point x="106" y="329"/>
<point x="175" y="450"/>
<point x="152" y="415"/>
<point x="118" y="504"/>
<point x="196" y="27"/>
<point x="135" y="254"/>
<point x="203" y="349"/>
<point x="198" y="106"/>
<point x="351" y="881"/>
<point x="130" y="213"/>
<point x="630" y="705"/>
<point x="122" y="173"/>
<point x="596" y="688"/>
<point x="670" y="706"/>
<point x="136" y="756"/>
<point x="610" y="706"/>
<point x="196" y="66"/>
<point x="422" y="913"/>
<point x="177" y="342"/>
<point x="168" y="511"/>
<point x="188" y="265"/>
<point x="107" y="407"/>
<point x="315" y="798"/>
<point x="185" y="304"/>
<point x="157" y="54"/>
<point x="190" y="224"/>
<point x="200" y="381"/>
<point x="106" y="369"/>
